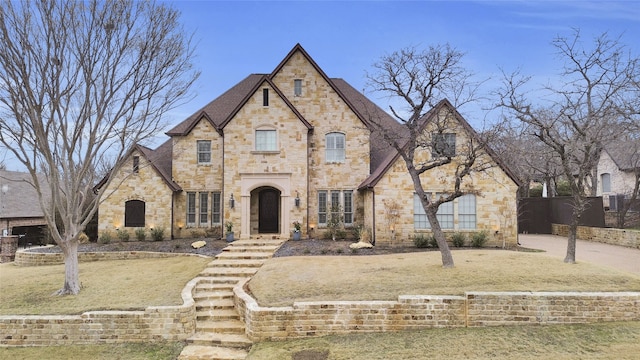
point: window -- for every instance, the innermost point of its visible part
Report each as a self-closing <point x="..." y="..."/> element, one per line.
<point x="335" y="206"/>
<point x="335" y="143"/>
<point x="204" y="208"/>
<point x="204" y="152"/>
<point x="322" y="207"/>
<point x="265" y="97"/>
<point x="606" y="182"/>
<point x="297" y="87"/>
<point x="134" y="211"/>
<point x="215" y="208"/>
<point x="136" y="164"/>
<point x="419" y="215"/>
<point x="348" y="207"/>
<point x="445" y="214"/>
<point x="467" y="212"/>
<point x="191" y="209"/>
<point x="444" y="145"/>
<point x="266" y="140"/>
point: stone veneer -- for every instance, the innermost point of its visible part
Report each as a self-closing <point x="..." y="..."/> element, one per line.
<point x="621" y="237"/>
<point x="32" y="258"/>
<point x="412" y="312"/>
<point x="155" y="323"/>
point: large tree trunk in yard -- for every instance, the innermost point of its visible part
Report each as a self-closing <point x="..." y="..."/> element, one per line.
<point x="71" y="270"/>
<point x="570" y="258"/>
<point x="445" y="252"/>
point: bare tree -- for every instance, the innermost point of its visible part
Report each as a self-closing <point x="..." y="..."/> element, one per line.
<point x="419" y="80"/>
<point x="81" y="82"/>
<point x="596" y="100"/>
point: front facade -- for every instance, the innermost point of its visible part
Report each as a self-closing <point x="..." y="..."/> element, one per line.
<point x="289" y="146"/>
<point x="617" y="168"/>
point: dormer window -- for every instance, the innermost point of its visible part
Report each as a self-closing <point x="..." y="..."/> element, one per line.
<point x="297" y="87"/>
<point x="265" y="97"/>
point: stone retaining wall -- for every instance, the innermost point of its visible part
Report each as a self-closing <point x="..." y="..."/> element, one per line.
<point x="622" y="237"/>
<point x="31" y="258"/>
<point x="155" y="323"/>
<point x="305" y="319"/>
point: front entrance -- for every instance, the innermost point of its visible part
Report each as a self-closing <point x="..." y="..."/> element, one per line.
<point x="269" y="211"/>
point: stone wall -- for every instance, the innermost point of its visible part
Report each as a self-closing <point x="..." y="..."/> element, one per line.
<point x="621" y="237"/>
<point x="32" y="258"/>
<point x="155" y="323"/>
<point x="411" y="312"/>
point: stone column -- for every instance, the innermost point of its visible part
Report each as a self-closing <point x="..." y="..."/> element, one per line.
<point x="8" y="248"/>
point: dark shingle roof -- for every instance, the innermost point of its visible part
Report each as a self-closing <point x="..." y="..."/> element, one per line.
<point x="21" y="199"/>
<point x="625" y="153"/>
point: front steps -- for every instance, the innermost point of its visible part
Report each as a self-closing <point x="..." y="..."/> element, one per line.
<point x="220" y="334"/>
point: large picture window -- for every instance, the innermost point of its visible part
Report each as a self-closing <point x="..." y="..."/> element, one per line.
<point x="335" y="143"/>
<point x="134" y="213"/>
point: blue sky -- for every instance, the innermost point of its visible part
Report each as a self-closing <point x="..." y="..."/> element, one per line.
<point x="236" y="38"/>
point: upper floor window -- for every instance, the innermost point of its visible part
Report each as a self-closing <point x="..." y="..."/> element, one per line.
<point x="297" y="87"/>
<point x="335" y="143"/>
<point x="266" y="140"/>
<point x="204" y="152"/>
<point x="265" y="97"/>
<point x="444" y="145"/>
<point x="136" y="164"/>
<point x="606" y="182"/>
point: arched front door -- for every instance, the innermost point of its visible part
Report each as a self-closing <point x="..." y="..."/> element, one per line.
<point x="269" y="211"/>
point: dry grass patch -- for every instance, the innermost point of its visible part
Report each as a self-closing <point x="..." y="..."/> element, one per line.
<point x="282" y="281"/>
<point x="107" y="285"/>
<point x="560" y="342"/>
<point x="155" y="351"/>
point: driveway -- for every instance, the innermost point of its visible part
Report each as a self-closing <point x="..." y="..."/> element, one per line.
<point x="618" y="257"/>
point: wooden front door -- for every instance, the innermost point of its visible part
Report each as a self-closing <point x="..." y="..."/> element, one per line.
<point x="269" y="214"/>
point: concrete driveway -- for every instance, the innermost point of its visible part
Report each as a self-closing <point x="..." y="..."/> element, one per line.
<point x="618" y="257"/>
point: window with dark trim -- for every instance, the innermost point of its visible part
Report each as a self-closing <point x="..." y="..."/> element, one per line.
<point x="204" y="151"/>
<point x="265" y="97"/>
<point x="191" y="209"/>
<point x="444" y="145"/>
<point x="335" y="203"/>
<point x="136" y="164"/>
<point x="215" y="208"/>
<point x="322" y="207"/>
<point x="204" y="208"/>
<point x="134" y="213"/>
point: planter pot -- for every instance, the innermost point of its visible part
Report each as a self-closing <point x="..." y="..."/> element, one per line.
<point x="229" y="237"/>
<point x="296" y="235"/>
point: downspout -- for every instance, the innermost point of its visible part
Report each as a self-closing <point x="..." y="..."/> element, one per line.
<point x="173" y="196"/>
<point x="373" y="216"/>
<point x="309" y="133"/>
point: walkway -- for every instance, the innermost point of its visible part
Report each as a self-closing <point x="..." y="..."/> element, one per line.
<point x="618" y="257"/>
<point x="220" y="334"/>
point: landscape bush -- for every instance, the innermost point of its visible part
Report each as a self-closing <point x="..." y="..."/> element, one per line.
<point x="157" y="234"/>
<point x="458" y="239"/>
<point x="479" y="239"/>
<point x="105" y="238"/>
<point x="422" y="241"/>
<point x="123" y="235"/>
<point x="141" y="234"/>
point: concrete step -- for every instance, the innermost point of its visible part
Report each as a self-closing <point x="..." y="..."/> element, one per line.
<point x="218" y="263"/>
<point x="217" y="315"/>
<point x="237" y="255"/>
<point x="220" y="280"/>
<point x="214" y="304"/>
<point x="239" y="341"/>
<point x="210" y="287"/>
<point x="221" y="327"/>
<point x="252" y="248"/>
<point x="228" y="272"/>
<point x="257" y="242"/>
<point x="212" y="295"/>
<point x="198" y="352"/>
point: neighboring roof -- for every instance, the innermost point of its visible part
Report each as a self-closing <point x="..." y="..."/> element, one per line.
<point x="20" y="199"/>
<point x="625" y="153"/>
<point x="391" y="158"/>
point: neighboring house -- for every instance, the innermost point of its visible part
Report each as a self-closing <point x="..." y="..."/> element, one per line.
<point x="286" y="146"/>
<point x="20" y="211"/>
<point x="617" y="168"/>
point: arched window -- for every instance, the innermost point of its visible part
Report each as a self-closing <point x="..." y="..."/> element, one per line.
<point x="605" y="179"/>
<point x="335" y="143"/>
<point x="134" y="213"/>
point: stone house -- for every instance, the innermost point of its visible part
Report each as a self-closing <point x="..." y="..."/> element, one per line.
<point x="20" y="210"/>
<point x="617" y="168"/>
<point x="288" y="146"/>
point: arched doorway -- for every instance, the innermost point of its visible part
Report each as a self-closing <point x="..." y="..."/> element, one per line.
<point x="268" y="210"/>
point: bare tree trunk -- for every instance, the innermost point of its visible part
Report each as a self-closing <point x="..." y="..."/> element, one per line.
<point x="570" y="258"/>
<point x="445" y="252"/>
<point x="72" y="272"/>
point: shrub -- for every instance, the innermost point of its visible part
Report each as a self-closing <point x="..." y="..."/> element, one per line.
<point x="432" y="241"/>
<point x="105" y="238"/>
<point x="198" y="233"/>
<point x="157" y="234"/>
<point x="341" y="234"/>
<point x="214" y="232"/>
<point x="479" y="239"/>
<point x="123" y="235"/>
<point x="140" y="233"/>
<point x="421" y="241"/>
<point x="458" y="239"/>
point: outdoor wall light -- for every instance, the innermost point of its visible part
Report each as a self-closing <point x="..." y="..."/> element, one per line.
<point x="232" y="202"/>
<point x="297" y="199"/>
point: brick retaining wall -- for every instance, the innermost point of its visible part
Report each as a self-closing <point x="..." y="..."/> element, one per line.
<point x="25" y="257"/>
<point x="622" y="237"/>
<point x="411" y="312"/>
<point x="155" y="323"/>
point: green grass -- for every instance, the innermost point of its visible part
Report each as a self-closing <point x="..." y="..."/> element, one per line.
<point x="282" y="281"/>
<point x="157" y="351"/>
<point x="106" y="285"/>
<point x="558" y="342"/>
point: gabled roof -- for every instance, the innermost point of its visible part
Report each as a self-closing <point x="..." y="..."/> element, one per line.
<point x="625" y="153"/>
<point x="426" y="119"/>
<point x="20" y="199"/>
